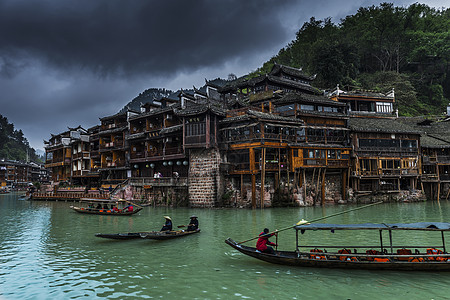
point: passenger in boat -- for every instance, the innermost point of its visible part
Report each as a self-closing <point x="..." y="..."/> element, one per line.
<point x="193" y="223"/>
<point x="168" y="225"/>
<point x="128" y="208"/>
<point x="263" y="241"/>
<point x="99" y="206"/>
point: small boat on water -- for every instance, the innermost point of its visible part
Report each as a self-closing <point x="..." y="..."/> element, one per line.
<point x="110" y="207"/>
<point x="384" y="256"/>
<point x="155" y="235"/>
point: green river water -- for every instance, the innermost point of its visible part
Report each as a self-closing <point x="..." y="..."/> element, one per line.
<point x="48" y="251"/>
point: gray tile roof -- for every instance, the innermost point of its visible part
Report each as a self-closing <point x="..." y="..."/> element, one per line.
<point x="171" y="129"/>
<point x="252" y="114"/>
<point x="384" y="125"/>
<point x="435" y="132"/>
<point x="291" y="71"/>
<point x="306" y="98"/>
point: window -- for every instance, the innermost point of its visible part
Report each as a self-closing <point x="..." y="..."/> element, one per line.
<point x="306" y="107"/>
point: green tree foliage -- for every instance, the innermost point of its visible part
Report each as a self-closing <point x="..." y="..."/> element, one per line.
<point x="13" y="144"/>
<point x="375" y="43"/>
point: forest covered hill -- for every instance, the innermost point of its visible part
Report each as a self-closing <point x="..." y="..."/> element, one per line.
<point x="13" y="144"/>
<point x="378" y="48"/>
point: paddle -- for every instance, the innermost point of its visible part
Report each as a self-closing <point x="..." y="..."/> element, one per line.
<point x="181" y="226"/>
<point x="302" y="222"/>
<point x="132" y="203"/>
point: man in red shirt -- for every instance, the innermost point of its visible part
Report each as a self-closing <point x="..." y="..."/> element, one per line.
<point x="263" y="241"/>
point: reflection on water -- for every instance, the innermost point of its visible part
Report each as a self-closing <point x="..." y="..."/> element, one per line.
<point x="48" y="251"/>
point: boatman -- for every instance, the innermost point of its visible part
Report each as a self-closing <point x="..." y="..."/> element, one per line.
<point x="168" y="225"/>
<point x="263" y="241"/>
<point x="193" y="223"/>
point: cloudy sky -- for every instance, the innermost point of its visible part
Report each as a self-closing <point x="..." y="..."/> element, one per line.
<point x="67" y="63"/>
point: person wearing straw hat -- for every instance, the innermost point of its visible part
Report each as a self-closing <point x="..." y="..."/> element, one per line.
<point x="168" y="225"/>
<point x="193" y="223"/>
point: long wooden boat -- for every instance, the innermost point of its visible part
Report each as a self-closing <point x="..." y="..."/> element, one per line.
<point x="390" y="256"/>
<point x="105" y="207"/>
<point x="155" y="235"/>
<point x="120" y="236"/>
<point x="104" y="211"/>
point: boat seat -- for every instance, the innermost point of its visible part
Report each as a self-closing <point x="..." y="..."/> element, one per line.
<point x="372" y="252"/>
<point x="406" y="252"/>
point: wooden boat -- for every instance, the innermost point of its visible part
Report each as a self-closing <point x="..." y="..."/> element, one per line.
<point x="120" y="236"/>
<point x="91" y="206"/>
<point x="155" y="235"/>
<point x="405" y="257"/>
<point x="103" y="211"/>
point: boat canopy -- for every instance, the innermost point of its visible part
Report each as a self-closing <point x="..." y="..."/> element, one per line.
<point x="431" y="226"/>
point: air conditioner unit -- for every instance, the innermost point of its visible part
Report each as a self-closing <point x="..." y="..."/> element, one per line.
<point x="168" y="140"/>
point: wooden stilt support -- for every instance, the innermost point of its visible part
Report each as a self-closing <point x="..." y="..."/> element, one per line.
<point x="438" y="190"/>
<point x="263" y="176"/>
<point x="295" y="180"/>
<point x="313" y="176"/>
<point x="344" y="185"/>
<point x="242" y="187"/>
<point x="317" y="187"/>
<point x="304" y="185"/>
<point x="253" y="191"/>
<point x="323" y="186"/>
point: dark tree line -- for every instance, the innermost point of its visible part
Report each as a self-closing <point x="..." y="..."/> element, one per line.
<point x="379" y="48"/>
<point x="13" y="144"/>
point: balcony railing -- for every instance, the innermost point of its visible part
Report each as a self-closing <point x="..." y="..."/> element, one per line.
<point x="157" y="152"/>
<point x="195" y="139"/>
<point x="387" y="172"/>
<point x="116" y="164"/>
<point x="84" y="154"/>
<point x="151" y="182"/>
<point x="80" y="172"/>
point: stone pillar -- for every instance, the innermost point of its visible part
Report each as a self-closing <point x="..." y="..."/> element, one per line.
<point x="205" y="180"/>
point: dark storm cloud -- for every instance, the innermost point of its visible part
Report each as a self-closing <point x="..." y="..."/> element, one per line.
<point x="65" y="63"/>
<point x="113" y="37"/>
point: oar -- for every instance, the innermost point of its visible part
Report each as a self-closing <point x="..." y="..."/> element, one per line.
<point x="132" y="203"/>
<point x="315" y="220"/>
<point x="181" y="226"/>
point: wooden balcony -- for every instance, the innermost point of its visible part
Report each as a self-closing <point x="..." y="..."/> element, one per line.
<point x="157" y="182"/>
<point x="80" y="155"/>
<point x="115" y="164"/>
<point x="387" y="172"/>
<point x="80" y="173"/>
<point x="112" y="145"/>
<point x="157" y="154"/>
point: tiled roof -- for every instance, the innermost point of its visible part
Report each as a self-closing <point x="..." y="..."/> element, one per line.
<point x="136" y="136"/>
<point x="380" y="125"/>
<point x="243" y="82"/>
<point x="365" y="114"/>
<point x="199" y="108"/>
<point x="156" y="111"/>
<point x="119" y="114"/>
<point x="367" y="94"/>
<point x="217" y="83"/>
<point x="323" y="114"/>
<point x="435" y="132"/>
<point x="252" y="114"/>
<point x="306" y="98"/>
<point x="115" y="130"/>
<point x="171" y="129"/>
<point x="279" y="80"/>
<point x="291" y="71"/>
